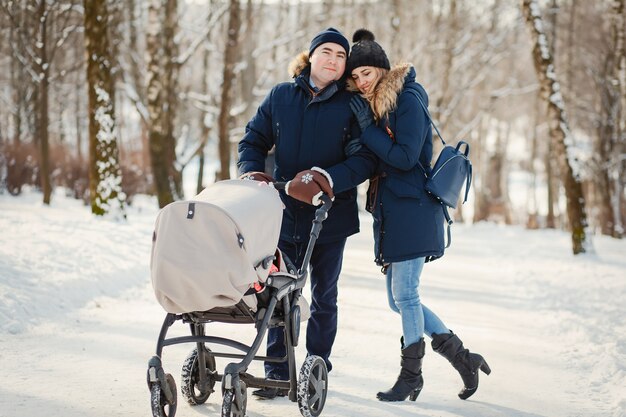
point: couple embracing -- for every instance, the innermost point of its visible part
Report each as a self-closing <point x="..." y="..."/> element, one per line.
<point x="348" y="116"/>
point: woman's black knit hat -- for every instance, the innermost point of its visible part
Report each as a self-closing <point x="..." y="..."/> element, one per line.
<point x="366" y="52"/>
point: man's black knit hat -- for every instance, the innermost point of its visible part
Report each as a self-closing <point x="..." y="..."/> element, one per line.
<point x="329" y="35"/>
<point x="366" y="52"/>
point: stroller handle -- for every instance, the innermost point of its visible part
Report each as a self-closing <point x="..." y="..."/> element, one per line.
<point x="321" y="213"/>
<point x="280" y="185"/>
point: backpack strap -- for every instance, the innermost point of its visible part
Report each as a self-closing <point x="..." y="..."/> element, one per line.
<point x="430" y="119"/>
<point x="468" y="182"/>
<point x="449" y="221"/>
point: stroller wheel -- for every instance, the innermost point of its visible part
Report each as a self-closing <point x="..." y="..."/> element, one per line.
<point x="230" y="408"/>
<point x="312" y="386"/>
<point x="191" y="386"/>
<point x="161" y="407"/>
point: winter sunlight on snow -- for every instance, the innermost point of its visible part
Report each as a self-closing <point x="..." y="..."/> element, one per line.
<point x="79" y="321"/>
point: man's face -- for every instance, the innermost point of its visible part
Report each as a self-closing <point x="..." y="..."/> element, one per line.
<point x="328" y="62"/>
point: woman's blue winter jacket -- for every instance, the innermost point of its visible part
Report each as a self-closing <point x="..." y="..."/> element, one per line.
<point x="408" y="222"/>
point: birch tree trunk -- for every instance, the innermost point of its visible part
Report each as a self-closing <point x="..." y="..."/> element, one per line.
<point x="105" y="174"/>
<point x="230" y="55"/>
<point x="558" y="128"/>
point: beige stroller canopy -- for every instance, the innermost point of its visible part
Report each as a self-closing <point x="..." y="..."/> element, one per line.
<point x="208" y="251"/>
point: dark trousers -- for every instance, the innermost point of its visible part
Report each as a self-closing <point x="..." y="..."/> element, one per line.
<point x="326" y="263"/>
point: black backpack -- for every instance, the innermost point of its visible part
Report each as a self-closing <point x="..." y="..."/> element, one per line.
<point x="451" y="170"/>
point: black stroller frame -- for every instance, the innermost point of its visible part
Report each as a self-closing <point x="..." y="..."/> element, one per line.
<point x="199" y="373"/>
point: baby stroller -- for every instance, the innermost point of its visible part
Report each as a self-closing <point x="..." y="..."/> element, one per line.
<point x="232" y="227"/>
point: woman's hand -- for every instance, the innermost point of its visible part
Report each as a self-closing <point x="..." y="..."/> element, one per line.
<point x="361" y="109"/>
<point x="352" y="147"/>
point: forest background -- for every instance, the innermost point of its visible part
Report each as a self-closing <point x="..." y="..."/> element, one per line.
<point x="113" y="98"/>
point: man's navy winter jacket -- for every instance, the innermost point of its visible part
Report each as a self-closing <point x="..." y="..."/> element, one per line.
<point x="308" y="129"/>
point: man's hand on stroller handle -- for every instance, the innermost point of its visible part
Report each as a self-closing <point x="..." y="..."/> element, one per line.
<point x="310" y="185"/>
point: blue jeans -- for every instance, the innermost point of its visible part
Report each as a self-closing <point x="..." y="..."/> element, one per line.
<point x="325" y="267"/>
<point x="403" y="280"/>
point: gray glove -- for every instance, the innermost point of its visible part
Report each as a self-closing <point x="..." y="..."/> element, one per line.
<point x="361" y="109"/>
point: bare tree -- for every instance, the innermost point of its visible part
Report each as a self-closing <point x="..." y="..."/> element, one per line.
<point x="48" y="24"/>
<point x="617" y="159"/>
<point x="230" y="57"/>
<point x="105" y="179"/>
<point x="155" y="100"/>
<point x="170" y="84"/>
<point x="619" y="13"/>
<point x="559" y="129"/>
<point x="469" y="57"/>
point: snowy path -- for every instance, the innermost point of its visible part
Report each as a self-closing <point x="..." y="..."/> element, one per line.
<point x="78" y="323"/>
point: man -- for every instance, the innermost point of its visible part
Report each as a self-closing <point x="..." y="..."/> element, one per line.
<point x="309" y="122"/>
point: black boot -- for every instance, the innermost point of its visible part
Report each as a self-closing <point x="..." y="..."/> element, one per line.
<point x="410" y="381"/>
<point x="270" y="393"/>
<point x="466" y="363"/>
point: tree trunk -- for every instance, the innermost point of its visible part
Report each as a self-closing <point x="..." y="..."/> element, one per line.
<point x="618" y="140"/>
<point x="77" y="108"/>
<point x="105" y="176"/>
<point x="481" y="205"/>
<point x="170" y="84"/>
<point x="397" y="10"/>
<point x="552" y="184"/>
<point x="495" y="200"/>
<point x="138" y="80"/>
<point x="532" y="221"/>
<point x="559" y="129"/>
<point x="17" y="87"/>
<point x="230" y="55"/>
<point x="552" y="180"/>
<point x="444" y="97"/>
<point x="42" y="104"/>
<point x="619" y="12"/>
<point x="205" y="128"/>
<point x="248" y="77"/>
<point x="156" y="135"/>
<point x="570" y="52"/>
<point x="605" y="145"/>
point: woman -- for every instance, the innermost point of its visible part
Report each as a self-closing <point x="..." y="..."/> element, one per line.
<point x="408" y="222"/>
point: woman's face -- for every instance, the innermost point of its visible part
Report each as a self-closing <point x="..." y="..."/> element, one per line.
<point x="365" y="78"/>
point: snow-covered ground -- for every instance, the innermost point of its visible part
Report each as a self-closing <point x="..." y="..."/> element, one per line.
<point x="78" y="322"/>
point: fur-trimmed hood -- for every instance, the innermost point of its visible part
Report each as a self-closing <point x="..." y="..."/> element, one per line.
<point x="385" y="97"/>
<point x="299" y="64"/>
